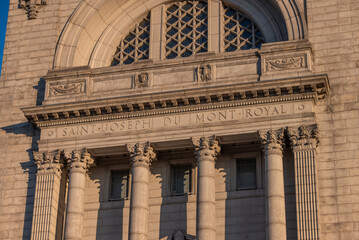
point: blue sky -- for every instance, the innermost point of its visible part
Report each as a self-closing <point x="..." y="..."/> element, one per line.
<point x="4" y="8"/>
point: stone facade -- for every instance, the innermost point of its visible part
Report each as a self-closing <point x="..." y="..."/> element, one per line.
<point x="74" y="114"/>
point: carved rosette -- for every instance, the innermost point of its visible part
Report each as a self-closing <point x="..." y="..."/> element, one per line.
<point x="142" y="154"/>
<point x="79" y="160"/>
<point x="272" y="140"/>
<point x="304" y="137"/>
<point x="48" y="162"/>
<point x="206" y="147"/>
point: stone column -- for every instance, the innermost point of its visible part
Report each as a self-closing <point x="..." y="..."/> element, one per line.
<point x="79" y="162"/>
<point x="206" y="150"/>
<point x="272" y="143"/>
<point x="304" y="142"/>
<point x="47" y="193"/>
<point x="141" y="158"/>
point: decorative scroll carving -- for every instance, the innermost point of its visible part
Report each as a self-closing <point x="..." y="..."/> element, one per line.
<point x="141" y="80"/>
<point x="304" y="137"/>
<point x="32" y="7"/>
<point x="66" y="89"/>
<point x="46" y="161"/>
<point x="141" y="154"/>
<point x="206" y="147"/>
<point x="285" y="63"/>
<point x="204" y="73"/>
<point x="272" y="139"/>
<point x="79" y="160"/>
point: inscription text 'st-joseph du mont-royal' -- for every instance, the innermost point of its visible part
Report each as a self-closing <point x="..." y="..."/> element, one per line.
<point x="182" y="119"/>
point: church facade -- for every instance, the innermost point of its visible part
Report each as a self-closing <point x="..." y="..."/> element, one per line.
<point x="163" y="119"/>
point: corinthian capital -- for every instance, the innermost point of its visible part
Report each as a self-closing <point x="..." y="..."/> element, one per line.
<point x="48" y="161"/>
<point x="79" y="160"/>
<point x="272" y="139"/>
<point x="141" y="154"/>
<point x="303" y="137"/>
<point x="206" y="147"/>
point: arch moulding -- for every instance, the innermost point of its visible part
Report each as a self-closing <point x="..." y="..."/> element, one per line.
<point x="96" y="27"/>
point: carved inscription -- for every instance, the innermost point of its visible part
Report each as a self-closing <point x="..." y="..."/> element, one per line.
<point x="191" y="119"/>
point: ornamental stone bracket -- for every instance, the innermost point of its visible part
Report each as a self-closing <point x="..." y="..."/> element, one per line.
<point x="32" y="7"/>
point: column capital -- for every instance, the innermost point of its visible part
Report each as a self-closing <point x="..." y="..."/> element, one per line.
<point x="272" y="140"/>
<point x="79" y="160"/>
<point x="303" y="137"/>
<point x="141" y="154"/>
<point x="48" y="162"/>
<point x="206" y="146"/>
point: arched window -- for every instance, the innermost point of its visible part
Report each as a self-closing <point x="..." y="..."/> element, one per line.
<point x="135" y="46"/>
<point x="186" y="32"/>
<point x="240" y="33"/>
<point x="186" y="29"/>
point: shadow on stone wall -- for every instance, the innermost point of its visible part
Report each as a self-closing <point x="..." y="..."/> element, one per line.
<point x="29" y="168"/>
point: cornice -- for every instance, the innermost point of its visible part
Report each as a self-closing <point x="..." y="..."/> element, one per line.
<point x="314" y="87"/>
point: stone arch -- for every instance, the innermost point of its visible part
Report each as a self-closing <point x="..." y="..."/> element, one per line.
<point x="95" y="28"/>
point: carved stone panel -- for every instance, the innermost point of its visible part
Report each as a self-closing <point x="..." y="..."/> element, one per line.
<point x="141" y="80"/>
<point x="63" y="89"/>
<point x="204" y="73"/>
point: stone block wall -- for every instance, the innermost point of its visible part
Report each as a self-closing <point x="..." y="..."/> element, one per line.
<point x="333" y="31"/>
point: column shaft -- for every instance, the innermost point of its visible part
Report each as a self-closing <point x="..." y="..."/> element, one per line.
<point x="207" y="150"/>
<point x="79" y="162"/>
<point x="47" y="195"/>
<point x="272" y="142"/>
<point x="142" y="156"/>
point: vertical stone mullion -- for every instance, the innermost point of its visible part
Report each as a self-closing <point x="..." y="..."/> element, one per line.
<point x="272" y="142"/>
<point x="46" y="195"/>
<point x="206" y="150"/>
<point x="304" y="141"/>
<point x="141" y="158"/>
<point x="79" y="162"/>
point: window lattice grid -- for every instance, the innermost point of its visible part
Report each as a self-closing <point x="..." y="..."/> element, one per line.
<point x="240" y="33"/>
<point x="135" y="46"/>
<point x="186" y="29"/>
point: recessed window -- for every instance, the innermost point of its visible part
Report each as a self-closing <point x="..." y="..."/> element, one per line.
<point x="181" y="179"/>
<point x="186" y="29"/>
<point x="246" y="177"/>
<point x="119" y="184"/>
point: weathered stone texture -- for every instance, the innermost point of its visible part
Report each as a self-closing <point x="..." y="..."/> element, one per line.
<point x="333" y="31"/>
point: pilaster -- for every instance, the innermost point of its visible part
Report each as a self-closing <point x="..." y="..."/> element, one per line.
<point x="47" y="194"/>
<point x="142" y="155"/>
<point x="272" y="143"/>
<point x="206" y="150"/>
<point x="304" y="141"/>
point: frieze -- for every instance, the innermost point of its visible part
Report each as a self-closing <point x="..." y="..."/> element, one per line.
<point x="66" y="89"/>
<point x="170" y="121"/>
<point x="285" y="63"/>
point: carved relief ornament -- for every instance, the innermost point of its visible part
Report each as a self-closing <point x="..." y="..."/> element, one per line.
<point x="32" y="7"/>
<point x="204" y="73"/>
<point x="66" y="89"/>
<point x="272" y="140"/>
<point x="303" y="137"/>
<point x="141" y="154"/>
<point x="206" y="147"/>
<point x="285" y="63"/>
<point x="79" y="160"/>
<point x="141" y="80"/>
<point x="48" y="161"/>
